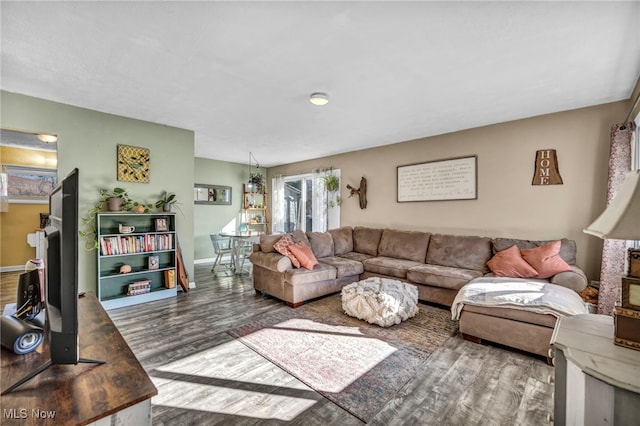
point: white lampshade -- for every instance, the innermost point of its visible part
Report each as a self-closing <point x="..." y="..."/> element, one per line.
<point x="621" y="219"/>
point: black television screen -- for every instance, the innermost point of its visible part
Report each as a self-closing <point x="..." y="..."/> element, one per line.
<point x="61" y="303"/>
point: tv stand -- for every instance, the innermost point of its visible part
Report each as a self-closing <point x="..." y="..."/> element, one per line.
<point x="71" y="391"/>
<point x="42" y="368"/>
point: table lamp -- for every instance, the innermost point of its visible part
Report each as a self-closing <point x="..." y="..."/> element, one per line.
<point x="621" y="221"/>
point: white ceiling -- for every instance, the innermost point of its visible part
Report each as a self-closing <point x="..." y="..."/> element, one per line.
<point x="239" y="73"/>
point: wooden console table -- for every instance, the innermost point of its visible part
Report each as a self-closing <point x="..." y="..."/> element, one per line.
<point x="84" y="394"/>
<point x="596" y="381"/>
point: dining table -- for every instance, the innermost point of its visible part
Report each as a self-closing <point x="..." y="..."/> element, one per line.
<point x="239" y="239"/>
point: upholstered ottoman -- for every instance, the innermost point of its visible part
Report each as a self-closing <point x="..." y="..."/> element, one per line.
<point x="380" y="301"/>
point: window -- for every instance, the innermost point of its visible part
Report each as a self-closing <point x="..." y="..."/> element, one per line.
<point x="301" y="203"/>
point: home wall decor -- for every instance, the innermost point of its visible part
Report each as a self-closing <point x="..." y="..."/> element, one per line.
<point x="133" y="164"/>
<point x="211" y="194"/>
<point x="450" y="179"/>
<point x="546" y="168"/>
<point x="361" y="191"/>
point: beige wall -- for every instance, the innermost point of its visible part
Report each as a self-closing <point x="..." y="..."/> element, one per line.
<point x="507" y="204"/>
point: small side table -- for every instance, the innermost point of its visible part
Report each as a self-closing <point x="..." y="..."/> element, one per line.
<point x="596" y="382"/>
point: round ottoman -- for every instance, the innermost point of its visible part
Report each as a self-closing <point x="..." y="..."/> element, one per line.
<point x="380" y="301"/>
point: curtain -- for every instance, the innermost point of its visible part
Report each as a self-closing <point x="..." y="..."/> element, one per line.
<point x="277" y="205"/>
<point x="319" y="202"/>
<point x="614" y="251"/>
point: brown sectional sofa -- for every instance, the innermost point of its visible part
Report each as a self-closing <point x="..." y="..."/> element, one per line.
<point x="438" y="264"/>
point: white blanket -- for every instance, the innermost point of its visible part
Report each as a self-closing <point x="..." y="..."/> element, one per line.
<point x="519" y="293"/>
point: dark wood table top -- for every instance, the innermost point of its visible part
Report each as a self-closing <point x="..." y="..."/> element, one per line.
<point x="75" y="394"/>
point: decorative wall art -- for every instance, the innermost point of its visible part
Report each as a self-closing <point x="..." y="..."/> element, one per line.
<point x="450" y="179"/>
<point x="211" y="194"/>
<point x="546" y="168"/>
<point x="360" y="191"/>
<point x="133" y="164"/>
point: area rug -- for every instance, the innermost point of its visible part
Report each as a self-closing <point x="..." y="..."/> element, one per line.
<point x="356" y="365"/>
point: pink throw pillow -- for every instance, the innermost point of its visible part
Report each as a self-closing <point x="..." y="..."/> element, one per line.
<point x="509" y="263"/>
<point x="546" y="260"/>
<point x="282" y="247"/>
<point x="304" y="254"/>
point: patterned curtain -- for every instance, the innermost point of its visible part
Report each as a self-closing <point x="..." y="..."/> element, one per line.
<point x="277" y="205"/>
<point x="614" y="251"/>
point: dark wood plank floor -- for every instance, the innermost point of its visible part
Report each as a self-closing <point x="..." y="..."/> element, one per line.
<point x="205" y="377"/>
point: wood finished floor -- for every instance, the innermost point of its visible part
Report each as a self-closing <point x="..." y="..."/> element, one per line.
<point x="205" y="377"/>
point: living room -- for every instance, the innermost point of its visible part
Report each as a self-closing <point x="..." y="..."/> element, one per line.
<point x="507" y="205"/>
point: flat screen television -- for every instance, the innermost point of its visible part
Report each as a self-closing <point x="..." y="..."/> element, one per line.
<point x="61" y="301"/>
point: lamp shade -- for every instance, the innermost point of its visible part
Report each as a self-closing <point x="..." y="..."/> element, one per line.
<point x="621" y="219"/>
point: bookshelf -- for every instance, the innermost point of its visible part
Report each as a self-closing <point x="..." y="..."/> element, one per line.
<point x="255" y="209"/>
<point x="137" y="266"/>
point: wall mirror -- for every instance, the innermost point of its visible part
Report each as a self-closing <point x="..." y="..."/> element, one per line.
<point x="211" y="194"/>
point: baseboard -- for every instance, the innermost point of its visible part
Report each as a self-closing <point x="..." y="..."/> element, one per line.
<point x="209" y="260"/>
<point x="11" y="268"/>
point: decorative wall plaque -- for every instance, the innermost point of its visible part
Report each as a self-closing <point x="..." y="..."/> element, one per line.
<point x="133" y="164"/>
<point x="546" y="170"/>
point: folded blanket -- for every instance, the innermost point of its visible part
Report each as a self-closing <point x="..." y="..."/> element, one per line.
<point x="527" y="294"/>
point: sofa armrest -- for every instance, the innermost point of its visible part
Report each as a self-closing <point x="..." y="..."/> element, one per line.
<point x="575" y="279"/>
<point x="271" y="261"/>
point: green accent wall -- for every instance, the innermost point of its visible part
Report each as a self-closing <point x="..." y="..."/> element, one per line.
<point x="215" y="218"/>
<point x="88" y="140"/>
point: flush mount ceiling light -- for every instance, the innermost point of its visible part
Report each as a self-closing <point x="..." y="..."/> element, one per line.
<point x="319" y="98"/>
<point x="47" y="138"/>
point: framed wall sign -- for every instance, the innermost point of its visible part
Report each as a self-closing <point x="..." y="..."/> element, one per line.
<point x="133" y="164"/>
<point x="211" y="194"/>
<point x="450" y="179"/>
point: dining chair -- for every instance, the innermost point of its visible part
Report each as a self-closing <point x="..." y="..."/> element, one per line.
<point x="222" y="246"/>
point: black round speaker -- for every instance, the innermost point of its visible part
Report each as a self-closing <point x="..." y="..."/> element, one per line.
<point x="19" y="336"/>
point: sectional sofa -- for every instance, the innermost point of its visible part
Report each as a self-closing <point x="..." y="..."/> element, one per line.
<point x="438" y="264"/>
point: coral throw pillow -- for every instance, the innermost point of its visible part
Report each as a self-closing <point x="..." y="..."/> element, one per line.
<point x="282" y="247"/>
<point x="304" y="254"/>
<point x="546" y="260"/>
<point x="509" y="263"/>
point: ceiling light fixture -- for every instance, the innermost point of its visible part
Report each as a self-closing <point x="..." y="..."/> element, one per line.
<point x="319" y="98"/>
<point x="47" y="138"/>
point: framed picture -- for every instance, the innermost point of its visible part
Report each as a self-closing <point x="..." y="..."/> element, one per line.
<point x="133" y="164"/>
<point x="211" y="194"/>
<point x="154" y="262"/>
<point x="439" y="180"/>
<point x="28" y="185"/>
<point x="161" y="224"/>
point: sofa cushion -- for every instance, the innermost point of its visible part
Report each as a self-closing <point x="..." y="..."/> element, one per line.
<point x="410" y="245"/>
<point x="320" y="272"/>
<point x="358" y="257"/>
<point x="282" y="247"/>
<point x="545" y="260"/>
<point x="267" y="241"/>
<point x="575" y="279"/>
<point x="303" y="253"/>
<point x="456" y="251"/>
<point x="509" y="263"/>
<point x="442" y="276"/>
<point x="366" y="240"/>
<point x="567" y="247"/>
<point x="342" y="240"/>
<point x="389" y="266"/>
<point x="298" y="236"/>
<point x="321" y="243"/>
<point x="344" y="267"/>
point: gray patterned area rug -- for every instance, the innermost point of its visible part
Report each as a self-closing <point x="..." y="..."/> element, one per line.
<point x="356" y="365"/>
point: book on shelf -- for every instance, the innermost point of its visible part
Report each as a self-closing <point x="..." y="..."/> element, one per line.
<point x="139" y="287"/>
<point x="116" y="245"/>
<point x="154" y="262"/>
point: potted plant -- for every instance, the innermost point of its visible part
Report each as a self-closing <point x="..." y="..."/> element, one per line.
<point x="332" y="185"/>
<point x="256" y="180"/>
<point x="167" y="200"/>
<point x="115" y="200"/>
